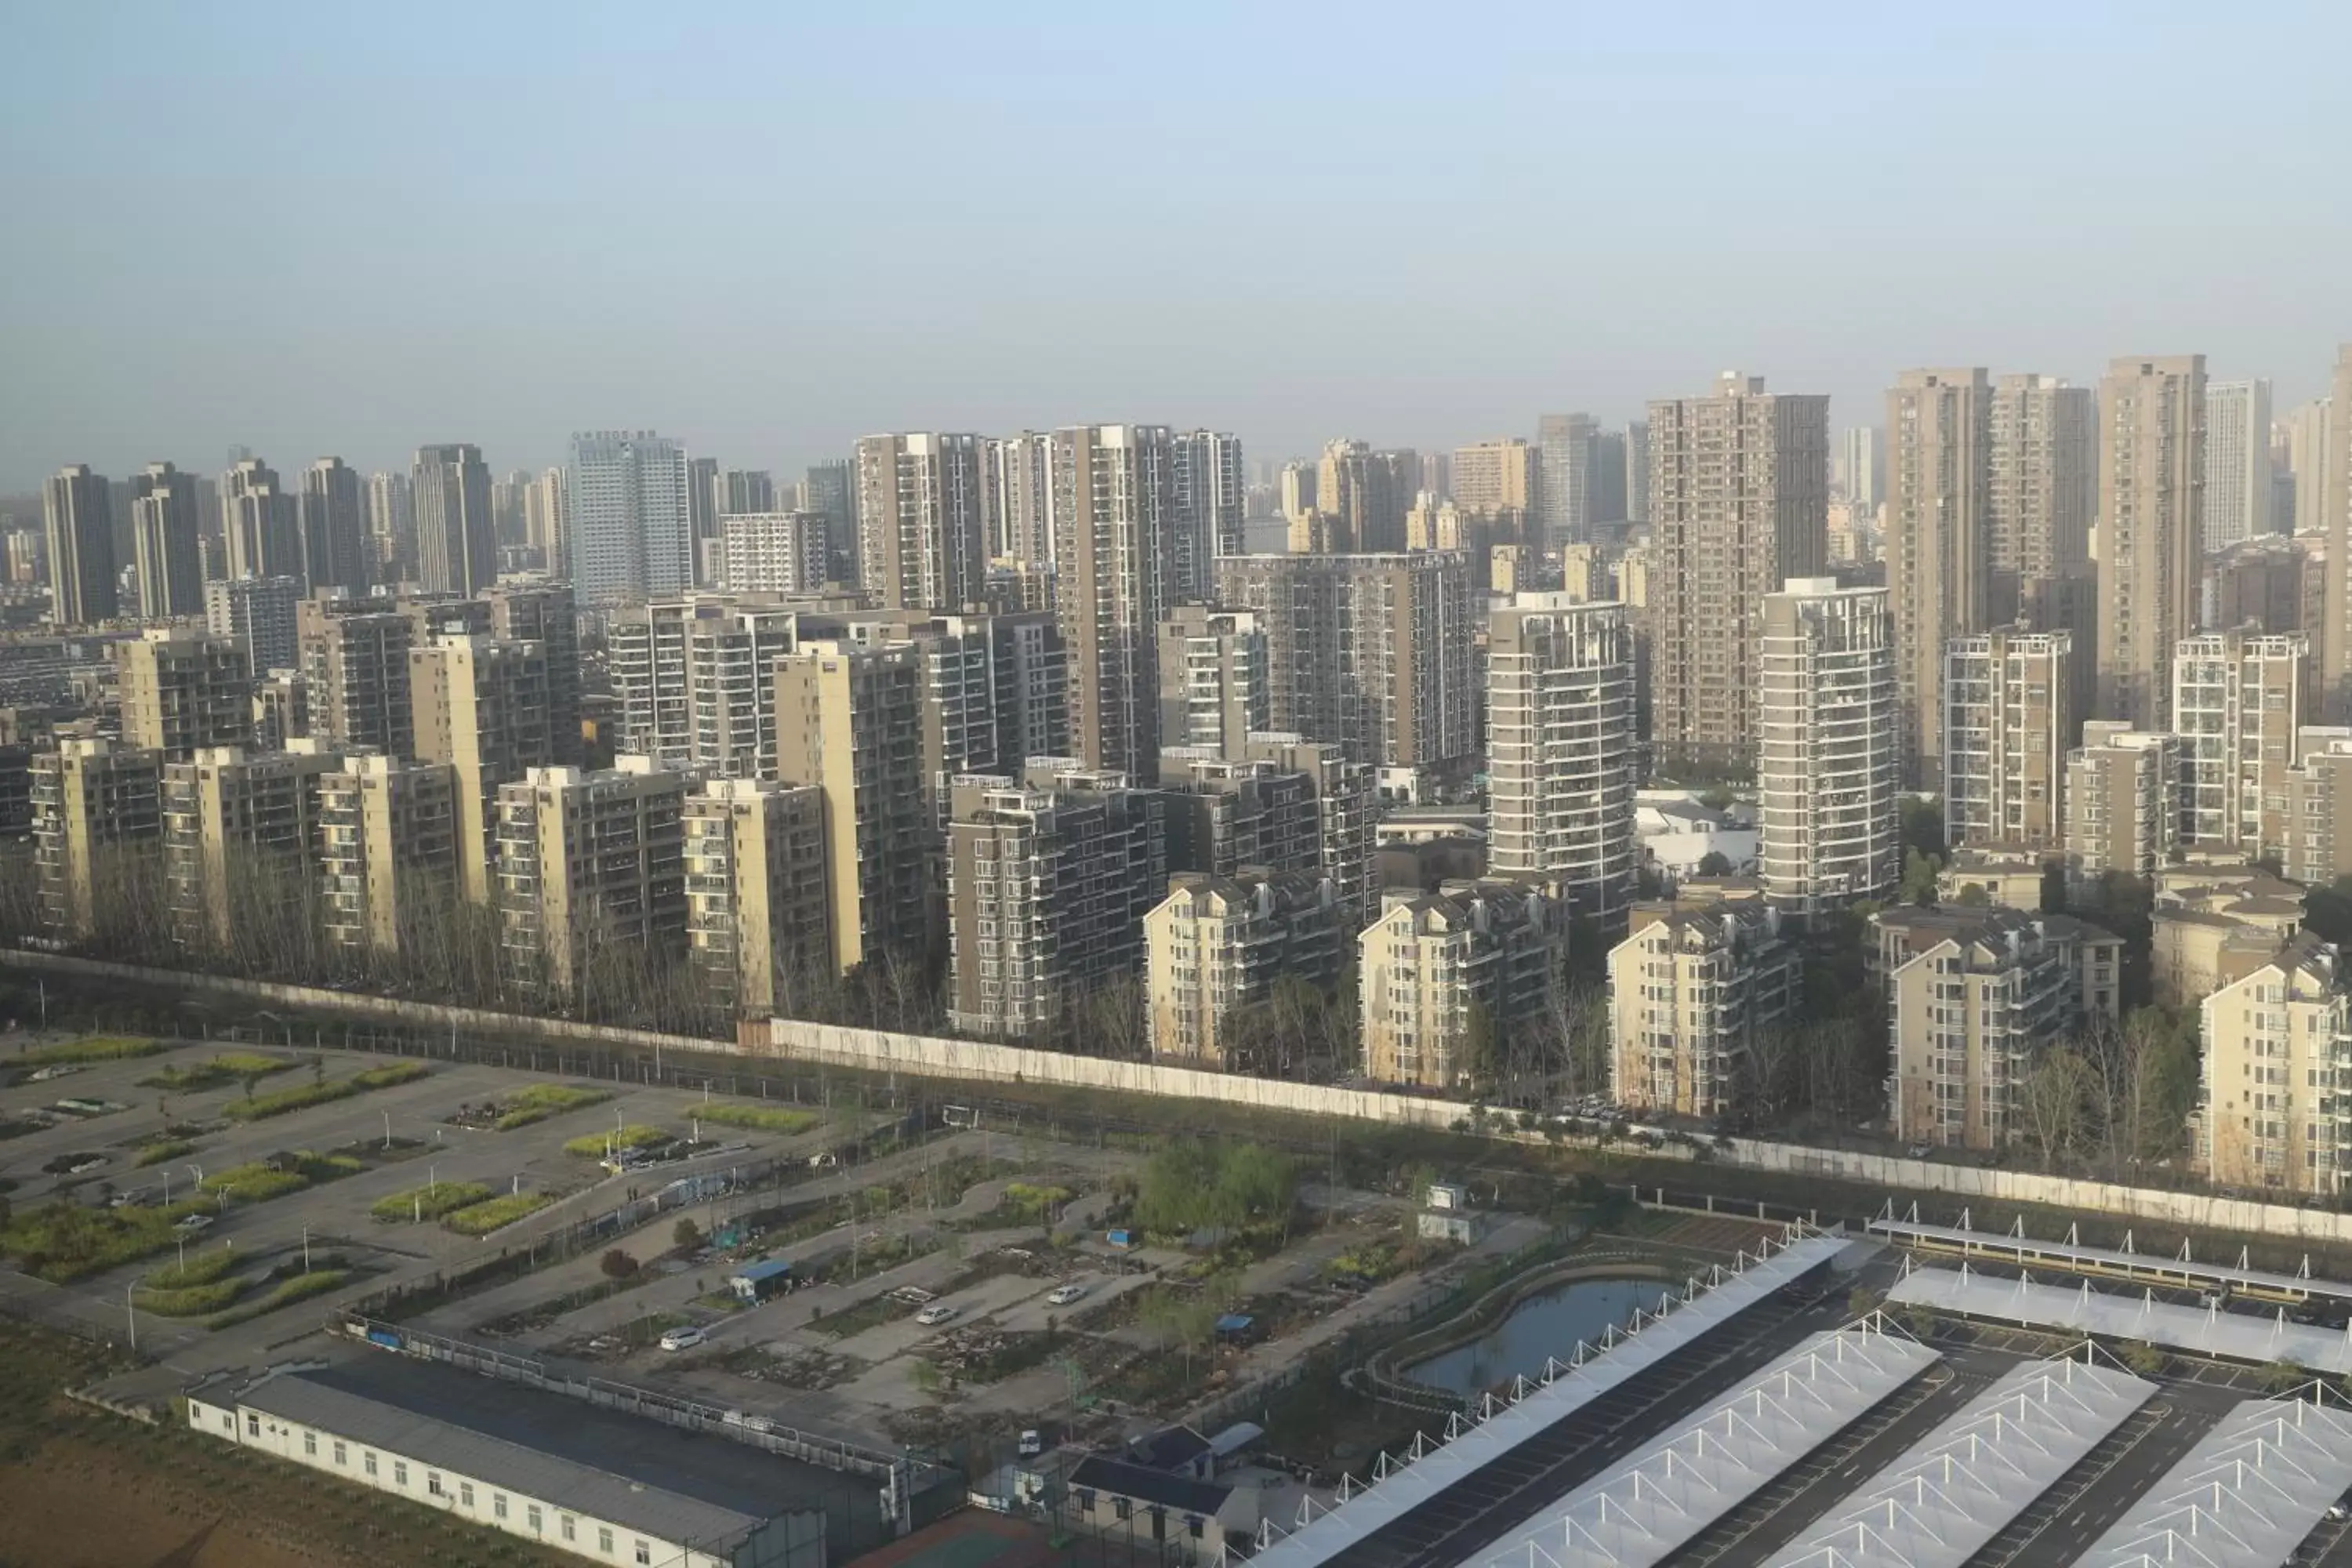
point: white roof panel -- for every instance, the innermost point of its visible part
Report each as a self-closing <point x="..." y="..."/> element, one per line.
<point x="2244" y="1497"/>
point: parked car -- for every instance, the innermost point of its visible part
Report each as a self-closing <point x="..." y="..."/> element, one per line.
<point x="683" y="1339"/>
<point x="1033" y="1443"/>
<point x="1062" y="1296"/>
<point x="932" y="1316"/>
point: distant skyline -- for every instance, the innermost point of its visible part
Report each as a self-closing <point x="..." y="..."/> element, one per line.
<point x="767" y="232"/>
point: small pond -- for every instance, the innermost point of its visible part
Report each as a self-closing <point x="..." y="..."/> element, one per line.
<point x="1547" y="1323"/>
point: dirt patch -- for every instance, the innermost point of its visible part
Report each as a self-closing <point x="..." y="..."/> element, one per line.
<point x="73" y="1506"/>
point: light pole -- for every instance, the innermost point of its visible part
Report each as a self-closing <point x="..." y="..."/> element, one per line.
<point x="130" y="1317"/>
<point x="387" y="1131"/>
<point x="305" y="1249"/>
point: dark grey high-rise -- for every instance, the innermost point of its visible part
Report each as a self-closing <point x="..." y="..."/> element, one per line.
<point x="457" y="536"/>
<point x="81" y="546"/>
<point x="831" y="489"/>
<point x="164" y="523"/>
<point x="334" y="529"/>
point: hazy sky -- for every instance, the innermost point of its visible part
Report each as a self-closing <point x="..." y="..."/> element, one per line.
<point x="767" y="229"/>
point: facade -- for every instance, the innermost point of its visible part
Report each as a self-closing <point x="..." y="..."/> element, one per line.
<point x="354" y="658"/>
<point x="2334" y="483"/>
<point x="1827" y="833"/>
<point x="334" y="529"/>
<point x="2276" y="1035"/>
<point x="1361" y="497"/>
<point x="1374" y="652"/>
<point x="2237" y="462"/>
<point x="1218" y="945"/>
<point x="588" y="862"/>
<point x="481" y="705"/>
<point x="994" y="690"/>
<point x="775" y="552"/>
<point x="920" y="515"/>
<point x="2319" y="809"/>
<point x="1347" y="798"/>
<point x="184" y="691"/>
<point x="79" y="512"/>
<point x="387" y="852"/>
<point x="258" y="614"/>
<point x="392" y="526"/>
<point x="1694" y="990"/>
<point x="240" y="837"/>
<point x="1048" y="880"/>
<point x="1442" y="976"/>
<point x="832" y="488"/>
<point x="1973" y="996"/>
<point x="2151" y="520"/>
<point x="165" y="531"/>
<point x="1862" y="466"/>
<point x="1496" y="476"/>
<point x="2278" y="582"/>
<point x="2238" y="704"/>
<point x="457" y="536"/>
<point x="2008" y="726"/>
<point x="1115" y="521"/>
<point x="1561" y="746"/>
<point x="262" y="522"/>
<point x="1214" y="679"/>
<point x="1739" y="504"/>
<point x="1021" y="487"/>
<point x="545" y="613"/>
<point x="2121" y="800"/>
<point x="1563" y="492"/>
<point x="281" y="709"/>
<point x="849" y="720"/>
<point x="2045" y="448"/>
<point x="1938" y="535"/>
<point x="694" y="675"/>
<point x="1210" y="508"/>
<point x="755" y="893"/>
<point x="93" y="803"/>
<point x="1224" y="814"/>
<point x="631" y="521"/>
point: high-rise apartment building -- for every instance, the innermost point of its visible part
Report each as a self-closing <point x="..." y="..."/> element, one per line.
<point x="240" y="840"/>
<point x="1638" y="503"/>
<point x="165" y="529"/>
<point x="2237" y="462"/>
<point x="1563" y="490"/>
<point x="701" y="502"/>
<point x="184" y="691"/>
<point x="392" y="527"/>
<point x="1937" y="540"/>
<point x="2122" y="799"/>
<point x="1828" y="767"/>
<point x="2008" y="723"/>
<point x="258" y="614"/>
<point x="456" y="534"/>
<point x="354" y="658"/>
<point x="631" y="519"/>
<point x="921" y="520"/>
<point x="1298" y="490"/>
<point x="2319" y="809"/>
<point x="1561" y="746"/>
<point x="2238" y="704"/>
<point x="536" y="611"/>
<point x="281" y="709"/>
<point x="2274" y="1036"/>
<point x="1346" y="807"/>
<point x="1694" y="991"/>
<point x="2042" y="498"/>
<point x="1226" y="813"/>
<point x="1213" y="678"/>
<point x="1115" y="522"/>
<point x="1215" y="949"/>
<point x="1442" y="976"/>
<point x="832" y="488"/>
<point x="1355" y="490"/>
<point x="387" y="854"/>
<point x="1374" y="652"/>
<point x="755" y="894"/>
<point x="2278" y="582"/>
<point x="1605" y="499"/>
<point x="1739" y="504"/>
<point x="2335" y="483"/>
<point x="97" y="811"/>
<point x="334" y="536"/>
<point x="774" y="552"/>
<point x="1862" y="466"/>
<point x="849" y="720"/>
<point x="546" y="510"/>
<point x="589" y="863"/>
<point x="1498" y="476"/>
<point x="262" y="522"/>
<point x="740" y="491"/>
<point x="79" y="512"/>
<point x="1210" y="500"/>
<point x="481" y="705"/>
<point x="2151" y="518"/>
<point x="2309" y="454"/>
<point x="1019" y="470"/>
<point x="1049" y="876"/>
<point x="694" y="675"/>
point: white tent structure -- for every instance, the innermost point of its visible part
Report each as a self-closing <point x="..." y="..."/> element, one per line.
<point x="1941" y="1503"/>
<point x="2201" y="1330"/>
<point x="1580" y="1376"/>
<point x="1643" y="1510"/>
<point x="2244" y="1497"/>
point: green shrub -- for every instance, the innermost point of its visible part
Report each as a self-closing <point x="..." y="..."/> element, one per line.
<point x="256" y="1183"/>
<point x="299" y="1287"/>
<point x="390" y="1074"/>
<point x="759" y="1118"/>
<point x="429" y="1202"/>
<point x="483" y="1218"/>
<point x="1025" y="1198"/>
<point x="542" y="1101"/>
<point x="202" y="1270"/>
<point x="61" y="1241"/>
<point x="195" y="1301"/>
<point x="305" y="1096"/>
<point x="635" y="1136"/>
<point x="224" y="1069"/>
<point x="90" y="1049"/>
<point x="168" y="1149"/>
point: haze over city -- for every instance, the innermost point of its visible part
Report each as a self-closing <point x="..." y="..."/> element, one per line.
<point x="769" y="231"/>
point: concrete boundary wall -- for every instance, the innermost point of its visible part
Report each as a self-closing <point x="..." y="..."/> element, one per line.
<point x="926" y="1056"/>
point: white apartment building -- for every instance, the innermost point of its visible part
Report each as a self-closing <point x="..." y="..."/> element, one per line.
<point x="774" y="552"/>
<point x="2008" y="723"/>
<point x="1830" y="763"/>
<point x="631" y="528"/>
<point x="2238" y="702"/>
<point x="1560" y="743"/>
<point x="1690" y="992"/>
<point x="2237" y="462"/>
<point x="755" y="893"/>
<point x="387" y="850"/>
<point x="1439" y="970"/>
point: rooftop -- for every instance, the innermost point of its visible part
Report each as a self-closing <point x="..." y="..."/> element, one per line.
<point x="2247" y="1495"/>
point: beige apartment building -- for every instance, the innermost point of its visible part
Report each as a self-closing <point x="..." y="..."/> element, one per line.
<point x="1495" y="476"/>
<point x="1216" y="947"/>
<point x="2275" y="1033"/>
<point x="354" y="658"/>
<point x="922" y="506"/>
<point x="2278" y="582"/>
<point x="97" y="806"/>
<point x="2332" y="478"/>
<point x="1561" y="747"/>
<point x="1694" y="989"/>
<point x="482" y="706"/>
<point x="1939" y="533"/>
<point x="2319" y="808"/>
<point x="2042" y="489"/>
<point x="1049" y="878"/>
<point x="387" y="851"/>
<point x="591" y="868"/>
<point x="1214" y="679"/>
<point x="1829" y="767"/>
<point x="755" y="894"/>
<point x="2209" y="915"/>
<point x="995" y="687"/>
<point x="240" y="837"/>
<point x="1973" y="996"/>
<point x="1443" y="976"/>
<point x="2121" y="800"/>
<point x="1738" y="505"/>
<point x="184" y="691"/>
<point x="2238" y="705"/>
<point x="849" y="720"/>
<point x="1116" y="576"/>
<point x="2152" y="526"/>
<point x="2008" y="726"/>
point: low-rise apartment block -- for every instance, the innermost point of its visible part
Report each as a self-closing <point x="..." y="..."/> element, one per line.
<point x="2276" y="1035"/>
<point x="387" y="853"/>
<point x="1442" y="976"/>
<point x="755" y="893"/>
<point x="240" y="840"/>
<point x="1694" y="989"/>
<point x="184" y="691"/>
<point x="590" y="865"/>
<point x="1215" y="947"/>
<point x="2238" y="701"/>
<point x="2121" y="800"/>
<point x="97" y="811"/>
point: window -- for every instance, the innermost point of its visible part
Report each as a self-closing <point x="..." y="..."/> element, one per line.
<point x="400" y="1472"/>
<point x="604" y="1541"/>
<point x="310" y="1444"/>
<point x="566" y="1521"/>
<point x="465" y="1494"/>
<point x="532" y="1517"/>
<point x="433" y="1484"/>
<point x="498" y="1504"/>
<point x="644" y="1552"/>
<point x="252" y="1425"/>
<point x="367" y="1461"/>
<point x="228" y="1423"/>
<point x="341" y="1458"/>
